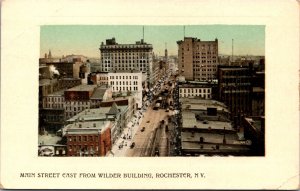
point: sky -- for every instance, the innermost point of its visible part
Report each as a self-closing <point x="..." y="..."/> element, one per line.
<point x="86" y="39"/>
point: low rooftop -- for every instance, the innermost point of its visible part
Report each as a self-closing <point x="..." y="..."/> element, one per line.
<point x="95" y="114"/>
<point x="202" y="104"/>
<point x="231" y="138"/>
<point x="48" y="139"/>
<point x="43" y="82"/>
<point x="58" y="93"/>
<point x="125" y="71"/>
<point x="99" y="92"/>
<point x="87" y="127"/>
<point x="189" y="121"/>
<point x="194" y="147"/>
<point x="83" y="87"/>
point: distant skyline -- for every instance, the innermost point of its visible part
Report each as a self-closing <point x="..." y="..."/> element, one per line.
<point x="86" y="39"/>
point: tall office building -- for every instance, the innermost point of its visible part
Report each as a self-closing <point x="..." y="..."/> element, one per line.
<point x="126" y="57"/>
<point x="197" y="60"/>
<point x="235" y="88"/>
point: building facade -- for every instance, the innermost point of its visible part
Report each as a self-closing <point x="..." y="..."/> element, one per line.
<point x="77" y="99"/>
<point x="127" y="82"/>
<point x="195" y="90"/>
<point x="99" y="78"/>
<point x="126" y="57"/>
<point x="88" y="138"/>
<point x="235" y="88"/>
<point x="197" y="60"/>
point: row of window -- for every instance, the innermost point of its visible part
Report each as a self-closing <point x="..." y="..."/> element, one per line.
<point x="108" y="69"/>
<point x="129" y="57"/>
<point x="204" y="53"/>
<point x="123" y="77"/>
<point x="203" y="48"/>
<point x="80" y="138"/>
<point x="124" y="61"/>
<point x="204" y="57"/>
<point x="125" y="88"/>
<point x="194" y="90"/>
<point x="196" y="95"/>
<point x="83" y="149"/>
<point x="55" y="99"/>
<point x="123" y="83"/>
<point x="77" y="103"/>
<point x="75" y="108"/>
<point x="204" y="70"/>
<point x="54" y="105"/>
<point x="116" y="53"/>
<point x="205" y="65"/>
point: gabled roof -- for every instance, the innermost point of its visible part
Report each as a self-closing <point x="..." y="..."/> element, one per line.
<point x="114" y="109"/>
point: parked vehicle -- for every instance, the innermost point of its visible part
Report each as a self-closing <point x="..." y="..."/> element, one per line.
<point x="156" y="152"/>
<point x="132" y="145"/>
<point x="156" y="107"/>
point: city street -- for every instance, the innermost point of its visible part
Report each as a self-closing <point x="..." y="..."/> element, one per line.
<point x="151" y="120"/>
<point x="145" y="131"/>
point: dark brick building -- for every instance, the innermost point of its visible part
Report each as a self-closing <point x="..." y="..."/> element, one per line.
<point x="235" y="88"/>
<point x="88" y="138"/>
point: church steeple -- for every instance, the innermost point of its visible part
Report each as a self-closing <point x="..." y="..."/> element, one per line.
<point x="49" y="55"/>
<point x="166" y="52"/>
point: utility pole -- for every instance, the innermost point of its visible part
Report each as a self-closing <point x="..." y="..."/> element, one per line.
<point x="232" y="51"/>
<point x="143" y="33"/>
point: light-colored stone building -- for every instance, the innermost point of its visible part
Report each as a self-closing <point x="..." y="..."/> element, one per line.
<point x="127" y="82"/>
<point x="127" y="57"/>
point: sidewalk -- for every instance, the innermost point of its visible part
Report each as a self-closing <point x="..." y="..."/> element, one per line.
<point x="129" y="133"/>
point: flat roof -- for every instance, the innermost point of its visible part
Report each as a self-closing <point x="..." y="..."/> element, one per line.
<point x="57" y="93"/>
<point x="43" y="82"/>
<point x="95" y="114"/>
<point x="231" y="138"/>
<point x="87" y="127"/>
<point x="83" y="87"/>
<point x="71" y="79"/>
<point x="195" y="147"/>
<point x="189" y="121"/>
<point x="124" y="71"/>
<point x="204" y="107"/>
<point x="202" y="104"/>
<point x="194" y="86"/>
<point x="201" y="101"/>
<point x="49" y="139"/>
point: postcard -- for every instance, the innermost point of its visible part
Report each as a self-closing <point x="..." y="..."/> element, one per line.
<point x="150" y="95"/>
